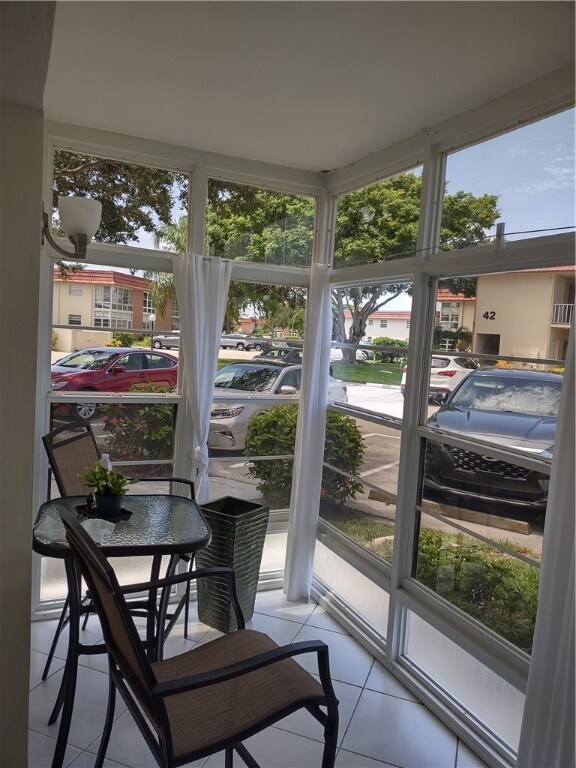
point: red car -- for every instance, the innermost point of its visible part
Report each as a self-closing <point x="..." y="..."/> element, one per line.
<point x="110" y="369"/>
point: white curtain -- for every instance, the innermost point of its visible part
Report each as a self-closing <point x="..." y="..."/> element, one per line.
<point x="547" y="734"/>
<point x="309" y="447"/>
<point x="202" y="293"/>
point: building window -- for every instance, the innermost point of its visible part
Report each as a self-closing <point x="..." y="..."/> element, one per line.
<point x="74" y="290"/>
<point x="407" y="323"/>
<point x="147" y="309"/>
<point x="383" y="323"/>
<point x="175" y="320"/>
<point x="113" y="307"/>
<point x="370" y="322"/>
<point x="74" y="319"/>
<point x="450" y="315"/>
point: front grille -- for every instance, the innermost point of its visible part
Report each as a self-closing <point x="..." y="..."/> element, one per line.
<point x="475" y="462"/>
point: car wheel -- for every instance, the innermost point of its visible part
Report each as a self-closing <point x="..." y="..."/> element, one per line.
<point x="86" y="411"/>
<point x="362" y="355"/>
<point x="240" y="346"/>
<point x="258" y="347"/>
<point x="157" y="345"/>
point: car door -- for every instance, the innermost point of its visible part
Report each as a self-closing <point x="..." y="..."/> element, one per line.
<point x="126" y="371"/>
<point x="159" y="370"/>
<point x="290" y="378"/>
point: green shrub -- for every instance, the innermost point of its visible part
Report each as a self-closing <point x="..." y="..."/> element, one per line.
<point x="393" y="356"/>
<point x="496" y="588"/>
<point x="140" y="431"/>
<point x="126" y="339"/>
<point x="54" y="339"/>
<point x="273" y="433"/>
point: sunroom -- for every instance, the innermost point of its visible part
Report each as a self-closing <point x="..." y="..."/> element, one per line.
<point x="371" y="157"/>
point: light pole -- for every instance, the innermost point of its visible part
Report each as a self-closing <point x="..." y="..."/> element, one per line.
<point x="152" y="320"/>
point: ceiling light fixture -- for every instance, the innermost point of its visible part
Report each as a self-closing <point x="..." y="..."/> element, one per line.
<point x="80" y="218"/>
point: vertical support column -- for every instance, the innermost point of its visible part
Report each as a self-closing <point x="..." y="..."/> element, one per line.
<point x="197" y="196"/>
<point x="416" y="394"/>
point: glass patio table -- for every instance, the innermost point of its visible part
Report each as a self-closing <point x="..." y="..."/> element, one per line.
<point x="155" y="525"/>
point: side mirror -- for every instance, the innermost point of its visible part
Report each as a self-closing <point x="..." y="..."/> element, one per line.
<point x="119" y="369"/>
<point x="287" y="390"/>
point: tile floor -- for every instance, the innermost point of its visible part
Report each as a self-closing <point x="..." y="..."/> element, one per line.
<point x="381" y="723"/>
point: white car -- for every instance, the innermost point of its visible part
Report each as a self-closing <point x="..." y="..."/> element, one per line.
<point x="446" y="373"/>
<point x="248" y="383"/>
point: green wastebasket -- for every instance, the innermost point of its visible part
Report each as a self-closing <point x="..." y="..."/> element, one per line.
<point x="238" y="534"/>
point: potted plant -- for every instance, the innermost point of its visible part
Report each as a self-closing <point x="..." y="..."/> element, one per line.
<point x="109" y="485"/>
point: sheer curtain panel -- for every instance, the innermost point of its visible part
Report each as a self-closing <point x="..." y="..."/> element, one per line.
<point x="202" y="292"/>
<point x="309" y="449"/>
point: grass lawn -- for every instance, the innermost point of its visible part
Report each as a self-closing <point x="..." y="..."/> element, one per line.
<point x="369" y="372"/>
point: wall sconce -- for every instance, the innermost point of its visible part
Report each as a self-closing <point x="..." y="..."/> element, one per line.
<point x="80" y="218"/>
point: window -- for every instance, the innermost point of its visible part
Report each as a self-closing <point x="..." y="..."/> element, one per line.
<point x="450" y="315"/>
<point x="74" y="289"/>
<point x="74" y="319"/>
<point x="113" y="306"/>
<point x="261" y="225"/>
<point x="370" y="322"/>
<point x="147" y="309"/>
<point x="175" y="319"/>
<point x="383" y="323"/>
<point x="407" y="323"/>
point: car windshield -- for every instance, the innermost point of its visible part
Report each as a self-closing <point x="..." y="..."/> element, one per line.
<point x="91" y="360"/>
<point x="495" y="393"/>
<point x="250" y="378"/>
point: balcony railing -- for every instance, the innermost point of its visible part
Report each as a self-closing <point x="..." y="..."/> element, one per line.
<point x="562" y="314"/>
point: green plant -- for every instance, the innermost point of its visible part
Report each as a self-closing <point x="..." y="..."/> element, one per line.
<point x="107" y="482"/>
<point x="54" y="339"/>
<point x="273" y="432"/>
<point x="393" y="356"/>
<point x="494" y="587"/>
<point x="140" y="431"/>
<point x="126" y="339"/>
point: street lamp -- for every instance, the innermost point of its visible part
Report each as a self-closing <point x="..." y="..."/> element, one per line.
<point x="152" y="320"/>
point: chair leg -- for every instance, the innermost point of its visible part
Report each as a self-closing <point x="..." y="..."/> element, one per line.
<point x="245" y="755"/>
<point x="228" y="757"/>
<point x="186" y="609"/>
<point x="64" y="618"/>
<point x="109" y="719"/>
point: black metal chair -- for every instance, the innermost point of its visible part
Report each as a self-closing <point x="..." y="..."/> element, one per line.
<point x="210" y="698"/>
<point x="70" y="449"/>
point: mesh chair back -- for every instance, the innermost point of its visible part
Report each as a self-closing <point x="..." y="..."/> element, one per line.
<point x="118" y="628"/>
<point x="70" y="449"/>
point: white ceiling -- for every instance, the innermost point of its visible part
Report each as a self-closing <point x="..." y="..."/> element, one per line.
<point x="310" y="85"/>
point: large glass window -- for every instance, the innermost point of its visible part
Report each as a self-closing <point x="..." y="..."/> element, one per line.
<point x="138" y="202"/>
<point x="260" y="225"/>
<point x="526" y="174"/>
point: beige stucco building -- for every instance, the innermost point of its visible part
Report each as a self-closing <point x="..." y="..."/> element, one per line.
<point x="526" y="314"/>
<point x="89" y="300"/>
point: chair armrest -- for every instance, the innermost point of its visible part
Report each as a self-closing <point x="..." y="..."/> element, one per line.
<point x="244" y="667"/>
<point x="184" y="481"/>
<point x="181" y="578"/>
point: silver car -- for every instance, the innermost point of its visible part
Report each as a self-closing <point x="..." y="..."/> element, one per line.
<point x="167" y="341"/>
<point x="248" y="384"/>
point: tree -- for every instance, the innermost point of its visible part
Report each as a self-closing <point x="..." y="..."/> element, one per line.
<point x="380" y="223"/>
<point x="133" y="197"/>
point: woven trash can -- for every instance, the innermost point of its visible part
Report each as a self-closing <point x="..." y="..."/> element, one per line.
<point x="238" y="533"/>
